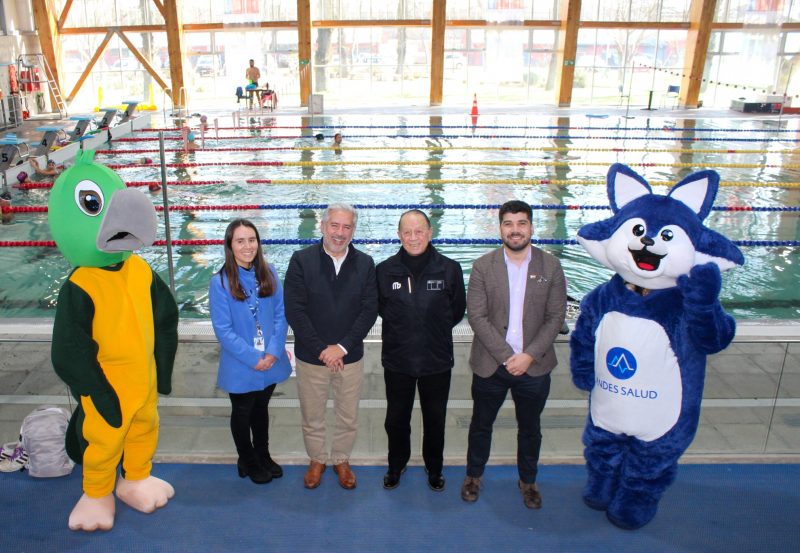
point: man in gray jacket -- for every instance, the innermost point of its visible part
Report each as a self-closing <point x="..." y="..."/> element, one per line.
<point x="516" y="304"/>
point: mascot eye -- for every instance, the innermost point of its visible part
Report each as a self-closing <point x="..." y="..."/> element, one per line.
<point x="638" y="230"/>
<point x="89" y="198"/>
<point x="667" y="235"/>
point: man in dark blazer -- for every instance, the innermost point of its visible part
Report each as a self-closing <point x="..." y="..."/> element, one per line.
<point x="516" y="304"/>
<point x="331" y="302"/>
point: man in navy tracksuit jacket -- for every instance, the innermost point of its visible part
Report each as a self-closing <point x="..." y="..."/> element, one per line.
<point x="421" y="298"/>
<point x="331" y="301"/>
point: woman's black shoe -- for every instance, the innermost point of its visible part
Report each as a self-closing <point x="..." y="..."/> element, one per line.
<point x="255" y="470"/>
<point x="272" y="467"/>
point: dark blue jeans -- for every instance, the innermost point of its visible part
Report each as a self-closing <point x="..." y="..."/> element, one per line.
<point x="433" y="392"/>
<point x="488" y="394"/>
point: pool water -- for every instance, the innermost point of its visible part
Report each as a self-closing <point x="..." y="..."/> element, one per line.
<point x="443" y="161"/>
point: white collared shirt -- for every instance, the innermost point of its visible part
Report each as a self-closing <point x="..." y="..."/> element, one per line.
<point x="337" y="264"/>
<point x="337" y="261"/>
<point x="517" y="280"/>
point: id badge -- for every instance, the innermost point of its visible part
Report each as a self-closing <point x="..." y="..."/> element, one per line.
<point x="258" y="343"/>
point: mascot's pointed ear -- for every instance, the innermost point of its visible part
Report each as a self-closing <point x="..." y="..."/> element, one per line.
<point x="697" y="191"/>
<point x="624" y="186"/>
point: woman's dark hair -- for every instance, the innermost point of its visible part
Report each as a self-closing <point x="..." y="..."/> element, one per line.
<point x="266" y="286"/>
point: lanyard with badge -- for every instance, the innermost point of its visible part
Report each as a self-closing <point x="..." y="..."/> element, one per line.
<point x="258" y="339"/>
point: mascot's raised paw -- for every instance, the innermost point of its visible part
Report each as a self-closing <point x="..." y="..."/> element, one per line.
<point x="702" y="285"/>
<point x="145" y="495"/>
<point x="92" y="513"/>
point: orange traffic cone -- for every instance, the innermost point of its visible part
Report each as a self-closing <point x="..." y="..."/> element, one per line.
<point x="474" y="105"/>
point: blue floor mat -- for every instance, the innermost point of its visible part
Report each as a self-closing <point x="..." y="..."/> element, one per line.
<point x="726" y="508"/>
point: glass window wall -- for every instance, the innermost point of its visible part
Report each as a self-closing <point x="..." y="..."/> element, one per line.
<point x="504" y="10"/>
<point x="500" y="66"/>
<point x="339" y="10"/>
<point x="102" y="13"/>
<point x="759" y="52"/>
<point x="238" y="11"/>
<point x="390" y="63"/>
<point x="617" y="66"/>
<point x="641" y="11"/>
<point x="755" y="11"/>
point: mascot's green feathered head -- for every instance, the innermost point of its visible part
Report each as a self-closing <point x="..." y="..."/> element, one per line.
<point x="94" y="218"/>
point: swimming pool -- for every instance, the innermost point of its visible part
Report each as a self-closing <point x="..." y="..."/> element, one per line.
<point x="558" y="164"/>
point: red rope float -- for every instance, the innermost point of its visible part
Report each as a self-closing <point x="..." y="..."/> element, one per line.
<point x="32" y="185"/>
<point x="26" y="243"/>
<point x="190" y="242"/>
<point x="155" y="138"/>
<point x="156" y="150"/>
<point x="173" y="182"/>
<point x="203" y="164"/>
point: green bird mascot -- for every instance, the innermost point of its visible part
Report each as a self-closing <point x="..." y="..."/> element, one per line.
<point x="114" y="340"/>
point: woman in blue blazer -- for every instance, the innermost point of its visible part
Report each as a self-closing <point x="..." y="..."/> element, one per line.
<point x="246" y="301"/>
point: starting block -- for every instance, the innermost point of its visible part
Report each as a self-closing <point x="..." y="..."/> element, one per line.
<point x="108" y="118"/>
<point x="47" y="141"/>
<point x="10" y="151"/>
<point x="83" y="122"/>
<point x="130" y="109"/>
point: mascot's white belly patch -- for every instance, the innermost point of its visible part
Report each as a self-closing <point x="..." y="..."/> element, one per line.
<point x="637" y="389"/>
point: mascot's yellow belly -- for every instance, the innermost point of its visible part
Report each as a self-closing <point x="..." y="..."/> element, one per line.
<point x="123" y="326"/>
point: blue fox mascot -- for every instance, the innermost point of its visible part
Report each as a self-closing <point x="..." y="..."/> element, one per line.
<point x="640" y="344"/>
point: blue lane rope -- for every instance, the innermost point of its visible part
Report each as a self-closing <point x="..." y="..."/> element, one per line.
<point x="497" y="241"/>
<point x="544" y="127"/>
<point x="557" y="207"/>
<point x="563" y="207"/>
<point x="495" y="136"/>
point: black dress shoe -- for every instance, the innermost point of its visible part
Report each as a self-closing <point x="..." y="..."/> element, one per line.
<point x="436" y="482"/>
<point x="392" y="479"/>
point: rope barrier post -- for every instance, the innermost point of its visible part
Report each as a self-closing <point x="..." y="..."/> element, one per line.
<point x="202" y="136"/>
<point x="785" y="90"/>
<point x="165" y="201"/>
<point x="216" y="127"/>
<point x="649" y="102"/>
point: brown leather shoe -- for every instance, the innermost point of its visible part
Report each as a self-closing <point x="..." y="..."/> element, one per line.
<point x="347" y="479"/>
<point x="313" y="475"/>
<point x="530" y="495"/>
<point x="470" y="489"/>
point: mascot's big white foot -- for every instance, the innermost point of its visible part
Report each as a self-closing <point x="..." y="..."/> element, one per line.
<point x="92" y="513"/>
<point x="145" y="495"/>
